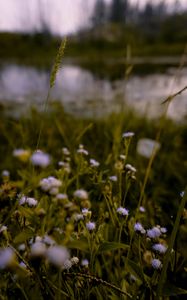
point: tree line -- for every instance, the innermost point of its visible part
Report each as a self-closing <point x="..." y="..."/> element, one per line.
<point x="153" y="21"/>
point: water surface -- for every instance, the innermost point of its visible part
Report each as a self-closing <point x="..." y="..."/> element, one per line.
<point x="86" y="95"/>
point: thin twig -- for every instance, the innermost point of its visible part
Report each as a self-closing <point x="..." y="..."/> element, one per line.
<point x="99" y="281"/>
<point x="171" y="244"/>
<point x="171" y="97"/>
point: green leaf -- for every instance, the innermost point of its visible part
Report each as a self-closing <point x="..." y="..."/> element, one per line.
<point x="78" y="244"/>
<point x="110" y="246"/>
<point x="135" y="270"/>
<point x="26" y="212"/>
<point x="23" y="236"/>
<point x="171" y="290"/>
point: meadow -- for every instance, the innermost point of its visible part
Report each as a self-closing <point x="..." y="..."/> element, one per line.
<point x="89" y="208"/>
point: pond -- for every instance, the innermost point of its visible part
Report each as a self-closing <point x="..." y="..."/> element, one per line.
<point x="86" y="95"/>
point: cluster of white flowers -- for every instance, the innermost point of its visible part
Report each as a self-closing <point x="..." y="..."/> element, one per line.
<point x="65" y="151"/>
<point x="113" y="178"/>
<point x="94" y="163"/>
<point x="57" y="255"/>
<point x="65" y="165"/>
<point x="90" y="226"/>
<point x="20" y="152"/>
<point x="122" y="157"/>
<point x="38" y="249"/>
<point x="130" y="168"/>
<point x="40" y="159"/>
<point x="156" y="263"/>
<point x="85" y="262"/>
<point x="154" y="232"/>
<point x="51" y="185"/>
<point x="160" y="248"/>
<point x="86" y="212"/>
<point x="67" y="264"/>
<point x="3" y="228"/>
<point x="28" y="200"/>
<point x="5" y="173"/>
<point x="163" y="230"/>
<point x="139" y="228"/>
<point x="81" y="150"/>
<point x="78" y="217"/>
<point x="7" y="256"/>
<point x="22" y="265"/>
<point x="146" y="147"/>
<point x="122" y="211"/>
<point x="62" y="196"/>
<point x="142" y="209"/>
<point x="128" y="134"/>
<point x="22" y="247"/>
<point x="81" y="194"/>
<point x="74" y="260"/>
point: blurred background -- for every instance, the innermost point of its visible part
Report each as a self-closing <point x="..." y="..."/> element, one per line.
<point x="118" y="53"/>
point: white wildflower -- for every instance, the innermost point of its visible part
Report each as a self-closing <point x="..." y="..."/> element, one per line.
<point x="130" y="168"/>
<point x="57" y="255"/>
<point x="142" y="209"/>
<point x="22" y="154"/>
<point x="90" y="226"/>
<point x="81" y="194"/>
<point x="122" y="157"/>
<point x="22" y="200"/>
<point x="160" y="248"/>
<point x="50" y="183"/>
<point x="5" y="173"/>
<point x="48" y="240"/>
<point x="128" y="134"/>
<point x="67" y="264"/>
<point x="81" y="150"/>
<point x="85" y="262"/>
<point x="113" y="178"/>
<point x="31" y="201"/>
<point x="7" y="256"/>
<point x="122" y="211"/>
<point x="22" y="265"/>
<point x="86" y="212"/>
<point x="94" y="163"/>
<point x="156" y="263"/>
<point x="74" y="260"/>
<point x="21" y="247"/>
<point x="139" y="228"/>
<point x="38" y="239"/>
<point x="65" y="165"/>
<point x="153" y="233"/>
<point x="40" y="159"/>
<point x="65" y="151"/>
<point x="38" y="249"/>
<point x="182" y="194"/>
<point x="62" y="196"/>
<point x="163" y="230"/>
<point x="145" y="147"/>
<point x="28" y="200"/>
<point x="3" y="228"/>
<point x="133" y="278"/>
<point x="54" y="191"/>
<point x="78" y="217"/>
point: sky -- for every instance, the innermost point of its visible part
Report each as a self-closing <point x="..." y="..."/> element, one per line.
<point x="64" y="16"/>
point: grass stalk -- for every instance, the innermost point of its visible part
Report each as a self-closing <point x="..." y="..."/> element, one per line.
<point x="171" y="244"/>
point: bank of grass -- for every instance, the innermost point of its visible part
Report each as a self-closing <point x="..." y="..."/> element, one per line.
<point x="98" y="55"/>
<point x="115" y="260"/>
